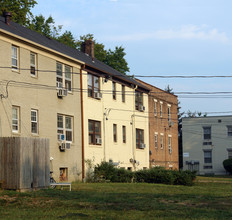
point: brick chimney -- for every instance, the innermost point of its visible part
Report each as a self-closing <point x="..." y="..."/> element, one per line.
<point x="7" y="16"/>
<point x="88" y="48"/>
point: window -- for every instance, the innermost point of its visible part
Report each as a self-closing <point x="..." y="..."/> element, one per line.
<point x="139" y="138"/>
<point x="156" y="141"/>
<point x="64" y="126"/>
<point x="15" y="119"/>
<point x="208" y="156"/>
<point x="114" y="90"/>
<point x="63" y="174"/>
<point x="93" y="85"/>
<point x="161" y="141"/>
<point x="207" y="133"/>
<point x="123" y="94"/>
<point x="14" y="57"/>
<point x="68" y="78"/>
<point x="155" y="107"/>
<point x="229" y="130"/>
<point x="34" y="121"/>
<point x="115" y="132"/>
<point x="59" y="75"/>
<point x="229" y="153"/>
<point x="170" y="144"/>
<point x="169" y="113"/>
<point x="124" y="134"/>
<point x="33" y="64"/>
<point x="138" y="100"/>
<point x="94" y="132"/>
<point x="161" y="109"/>
<point x="63" y="72"/>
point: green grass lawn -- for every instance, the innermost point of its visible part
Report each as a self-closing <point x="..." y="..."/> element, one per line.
<point x="205" y="200"/>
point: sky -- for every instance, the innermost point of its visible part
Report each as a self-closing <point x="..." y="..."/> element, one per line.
<point x="161" y="38"/>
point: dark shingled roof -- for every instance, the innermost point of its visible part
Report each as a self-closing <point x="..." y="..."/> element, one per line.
<point x="33" y="36"/>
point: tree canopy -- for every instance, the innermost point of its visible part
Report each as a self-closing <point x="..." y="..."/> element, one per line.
<point x="20" y="9"/>
<point x="21" y="13"/>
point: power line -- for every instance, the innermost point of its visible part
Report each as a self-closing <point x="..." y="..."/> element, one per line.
<point x="132" y="76"/>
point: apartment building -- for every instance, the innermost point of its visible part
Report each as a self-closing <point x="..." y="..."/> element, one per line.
<point x="115" y="116"/>
<point x="163" y="128"/>
<point x="37" y="96"/>
<point x="207" y="142"/>
<point x="87" y="109"/>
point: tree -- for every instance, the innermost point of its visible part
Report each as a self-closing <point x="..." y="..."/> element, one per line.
<point x="228" y="165"/>
<point x="45" y="26"/>
<point x="68" y="39"/>
<point x="115" y="59"/>
<point x="20" y="9"/>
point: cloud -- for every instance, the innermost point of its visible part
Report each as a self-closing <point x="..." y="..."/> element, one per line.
<point x="187" y="32"/>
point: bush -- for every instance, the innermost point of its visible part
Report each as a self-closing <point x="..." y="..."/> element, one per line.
<point x="228" y="165"/>
<point x="107" y="172"/>
<point x="184" y="177"/>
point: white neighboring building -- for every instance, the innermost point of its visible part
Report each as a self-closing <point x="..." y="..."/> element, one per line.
<point x="207" y="142"/>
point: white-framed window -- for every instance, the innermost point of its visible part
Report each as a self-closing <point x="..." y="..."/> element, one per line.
<point x="161" y="141"/>
<point x="64" y="126"/>
<point x="34" y="121"/>
<point x="207" y="156"/>
<point x="169" y="112"/>
<point x="229" y="130"/>
<point x="170" y="143"/>
<point x="156" y="141"/>
<point x="64" y="76"/>
<point x="15" y="119"/>
<point x="68" y="78"/>
<point x="161" y="109"/>
<point x="14" y="57"/>
<point x="229" y="153"/>
<point x="155" y="107"/>
<point x="114" y="91"/>
<point x="207" y="133"/>
<point x="123" y="94"/>
<point x="33" y="64"/>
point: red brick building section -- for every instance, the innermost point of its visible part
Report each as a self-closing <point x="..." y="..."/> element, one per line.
<point x="163" y="128"/>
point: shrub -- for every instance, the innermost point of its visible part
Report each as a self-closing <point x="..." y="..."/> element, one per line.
<point x="228" y="165"/>
<point x="184" y="177"/>
<point x="107" y="172"/>
<point x="104" y="171"/>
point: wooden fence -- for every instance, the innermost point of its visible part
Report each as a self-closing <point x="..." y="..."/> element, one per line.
<point x="24" y="163"/>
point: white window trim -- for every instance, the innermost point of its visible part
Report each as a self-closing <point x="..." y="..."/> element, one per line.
<point x="161" y="142"/>
<point x="156" y="140"/>
<point x="33" y="64"/>
<point x="63" y="128"/>
<point x="169" y="142"/>
<point x="36" y="122"/>
<point x="16" y="119"/>
<point x="67" y="79"/>
<point x="155" y="109"/>
<point x="15" y="68"/>
<point x="161" y="109"/>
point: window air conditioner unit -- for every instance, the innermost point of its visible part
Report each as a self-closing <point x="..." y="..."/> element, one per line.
<point x="59" y="85"/>
<point x="62" y="92"/>
<point x="141" y="108"/>
<point x="98" y="140"/>
<point x="67" y="145"/>
<point x="61" y="137"/>
<point x="62" y="146"/>
<point x="97" y="95"/>
<point x="142" y="146"/>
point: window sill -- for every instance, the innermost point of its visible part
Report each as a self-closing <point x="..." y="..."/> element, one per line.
<point x="15" y="70"/>
<point x="16" y="133"/>
<point x="34" y="77"/>
<point x="95" y="146"/>
<point x="34" y="135"/>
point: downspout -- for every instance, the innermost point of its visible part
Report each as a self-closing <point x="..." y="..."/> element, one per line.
<point x="133" y="130"/>
<point x="82" y="125"/>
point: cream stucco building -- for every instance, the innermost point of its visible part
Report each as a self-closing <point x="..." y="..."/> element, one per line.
<point x="207" y="142"/>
